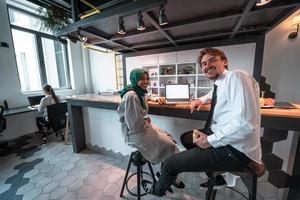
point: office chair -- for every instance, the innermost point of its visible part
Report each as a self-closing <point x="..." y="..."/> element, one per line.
<point x="2" y="120"/>
<point x="57" y="120"/>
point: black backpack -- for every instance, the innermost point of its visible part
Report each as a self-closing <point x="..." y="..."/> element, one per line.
<point x="2" y="120"/>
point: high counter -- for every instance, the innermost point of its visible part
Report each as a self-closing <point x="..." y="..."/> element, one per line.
<point x="277" y="126"/>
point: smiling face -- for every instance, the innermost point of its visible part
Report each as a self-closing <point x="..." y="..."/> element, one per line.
<point x="144" y="81"/>
<point x="213" y="66"/>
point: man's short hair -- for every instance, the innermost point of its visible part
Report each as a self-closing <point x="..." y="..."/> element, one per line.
<point x="214" y="52"/>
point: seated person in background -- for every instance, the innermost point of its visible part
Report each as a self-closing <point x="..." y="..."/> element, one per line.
<point x="138" y="131"/>
<point x="49" y="99"/>
<point x="230" y="140"/>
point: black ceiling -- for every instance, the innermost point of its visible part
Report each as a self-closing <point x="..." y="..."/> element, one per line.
<point x="190" y="21"/>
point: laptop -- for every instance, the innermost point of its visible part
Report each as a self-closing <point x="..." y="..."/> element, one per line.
<point x="286" y="105"/>
<point x="34" y="101"/>
<point x="177" y="93"/>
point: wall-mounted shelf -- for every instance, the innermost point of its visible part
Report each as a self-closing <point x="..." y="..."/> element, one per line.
<point x="185" y="73"/>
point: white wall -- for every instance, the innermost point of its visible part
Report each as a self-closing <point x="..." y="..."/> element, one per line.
<point x="241" y="57"/>
<point x="9" y="83"/>
<point x="102" y="128"/>
<point x="103" y="72"/>
<point x="10" y="88"/>
<point x="281" y="62"/>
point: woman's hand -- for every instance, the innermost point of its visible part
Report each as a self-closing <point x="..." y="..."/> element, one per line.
<point x="201" y="140"/>
<point x="161" y="100"/>
<point x="148" y="119"/>
<point x="195" y="105"/>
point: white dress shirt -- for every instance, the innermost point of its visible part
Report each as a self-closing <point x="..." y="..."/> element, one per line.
<point x="236" y="118"/>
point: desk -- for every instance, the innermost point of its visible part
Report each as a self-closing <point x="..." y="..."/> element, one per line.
<point x="276" y="123"/>
<point x="18" y="110"/>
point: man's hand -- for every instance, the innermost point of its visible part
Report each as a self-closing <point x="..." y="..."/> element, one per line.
<point x="195" y="105"/>
<point x="161" y="100"/>
<point x="201" y="140"/>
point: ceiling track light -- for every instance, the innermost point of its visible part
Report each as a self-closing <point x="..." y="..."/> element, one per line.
<point x="262" y="2"/>
<point x="81" y="37"/>
<point x="72" y="38"/>
<point x="140" y="22"/>
<point x="63" y="40"/>
<point x="162" y="16"/>
<point x="295" y="23"/>
<point x="121" y="27"/>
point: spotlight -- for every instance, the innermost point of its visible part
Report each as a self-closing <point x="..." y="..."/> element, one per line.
<point x="162" y="16"/>
<point x="81" y="37"/>
<point x="140" y="22"/>
<point x="262" y="2"/>
<point x="72" y="38"/>
<point x="296" y="22"/>
<point x="121" y="28"/>
<point x="62" y="40"/>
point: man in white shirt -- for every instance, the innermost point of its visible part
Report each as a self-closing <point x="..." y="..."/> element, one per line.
<point x="230" y="140"/>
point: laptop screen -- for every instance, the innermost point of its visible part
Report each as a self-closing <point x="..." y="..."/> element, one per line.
<point x="177" y="92"/>
<point x="35" y="100"/>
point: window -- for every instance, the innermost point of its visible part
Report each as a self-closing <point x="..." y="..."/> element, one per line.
<point x="55" y="60"/>
<point x="25" y="20"/>
<point x="40" y="57"/>
<point x="27" y="60"/>
<point x="119" y="71"/>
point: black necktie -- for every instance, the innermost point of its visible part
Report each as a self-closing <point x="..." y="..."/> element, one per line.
<point x="211" y="112"/>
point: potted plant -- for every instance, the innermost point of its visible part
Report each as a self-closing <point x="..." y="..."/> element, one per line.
<point x="53" y="18"/>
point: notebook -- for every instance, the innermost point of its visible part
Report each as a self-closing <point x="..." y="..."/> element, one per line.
<point x="34" y="101"/>
<point x="177" y="93"/>
<point x="284" y="105"/>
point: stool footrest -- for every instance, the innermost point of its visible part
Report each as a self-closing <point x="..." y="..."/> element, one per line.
<point x="138" y="160"/>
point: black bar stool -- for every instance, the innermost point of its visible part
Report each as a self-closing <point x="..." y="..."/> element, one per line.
<point x="138" y="160"/>
<point x="249" y="178"/>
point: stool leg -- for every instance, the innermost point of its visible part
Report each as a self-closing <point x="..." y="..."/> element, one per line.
<point x="126" y="175"/>
<point x="151" y="171"/>
<point x="213" y="196"/>
<point x="252" y="194"/>
<point x="211" y="193"/>
<point x="66" y="133"/>
<point x="139" y="172"/>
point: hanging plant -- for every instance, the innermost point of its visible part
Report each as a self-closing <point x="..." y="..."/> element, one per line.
<point x="53" y="18"/>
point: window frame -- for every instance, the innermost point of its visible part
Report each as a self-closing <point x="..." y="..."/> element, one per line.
<point x="39" y="47"/>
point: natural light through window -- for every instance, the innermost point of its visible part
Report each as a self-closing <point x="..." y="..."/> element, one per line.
<point x="41" y="58"/>
<point x="54" y="63"/>
<point x="27" y="61"/>
<point x="26" y="21"/>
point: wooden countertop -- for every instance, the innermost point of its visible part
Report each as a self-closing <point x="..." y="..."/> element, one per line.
<point x="272" y="112"/>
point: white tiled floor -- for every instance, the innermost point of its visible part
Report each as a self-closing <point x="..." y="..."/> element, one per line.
<point x="87" y="175"/>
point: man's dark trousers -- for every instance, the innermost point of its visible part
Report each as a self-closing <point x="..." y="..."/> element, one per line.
<point x="196" y="159"/>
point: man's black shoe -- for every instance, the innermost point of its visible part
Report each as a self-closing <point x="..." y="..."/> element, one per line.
<point x="178" y="183"/>
<point x="219" y="184"/>
<point x="157" y="175"/>
<point x="148" y="187"/>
